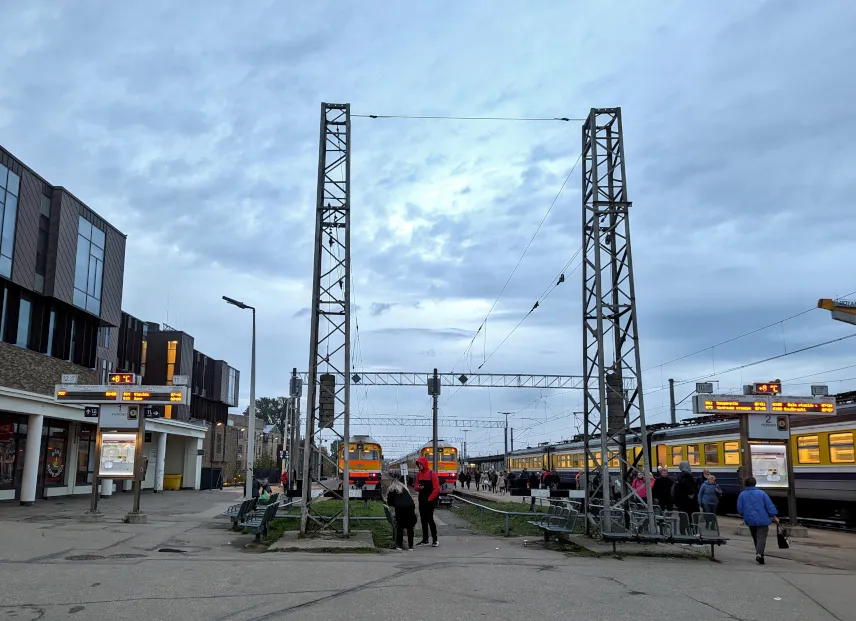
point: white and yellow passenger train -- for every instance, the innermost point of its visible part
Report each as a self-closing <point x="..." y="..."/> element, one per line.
<point x="823" y="450"/>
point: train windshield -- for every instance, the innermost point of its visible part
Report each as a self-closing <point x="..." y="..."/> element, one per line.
<point x="449" y="455"/>
<point x="368" y="453"/>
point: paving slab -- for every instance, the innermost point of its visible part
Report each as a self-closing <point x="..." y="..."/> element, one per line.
<point x="326" y="542"/>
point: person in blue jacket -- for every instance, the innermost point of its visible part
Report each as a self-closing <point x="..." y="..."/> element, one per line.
<point x="757" y="511"/>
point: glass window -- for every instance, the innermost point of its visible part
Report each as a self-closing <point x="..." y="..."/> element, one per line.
<point x="677" y="455"/>
<point x="808" y="450"/>
<point x="56" y="438"/>
<point x="661" y="455"/>
<point x="7" y="233"/>
<point x="13" y="183"/>
<point x="711" y="454"/>
<point x="4" y="300"/>
<point x="12" y="442"/>
<point x="693" y="455"/>
<point x="167" y="411"/>
<point x="841" y="448"/>
<point x="45" y="206"/>
<point x="3" y="173"/>
<point x="85" y="455"/>
<point x="5" y="266"/>
<point x="613" y="459"/>
<point x="51" y="326"/>
<point x="23" y="337"/>
<point x="84" y="228"/>
<point x="72" y="342"/>
<point x="732" y="453"/>
<point x="81" y="265"/>
<point x="98" y="239"/>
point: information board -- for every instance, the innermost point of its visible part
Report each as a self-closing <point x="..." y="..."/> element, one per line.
<point x="730" y="404"/>
<point x="824" y="406"/>
<point x="769" y="465"/>
<point x="117" y="455"/>
<point x="768" y="427"/>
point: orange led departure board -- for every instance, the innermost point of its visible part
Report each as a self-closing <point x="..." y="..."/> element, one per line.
<point x="767" y="388"/>
<point x="147" y="396"/>
<point x="122" y="378"/>
<point x="727" y="405"/>
<point x="803" y="407"/>
<point x="79" y="396"/>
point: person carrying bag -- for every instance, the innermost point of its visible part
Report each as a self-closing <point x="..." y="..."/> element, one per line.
<point x="783" y="537"/>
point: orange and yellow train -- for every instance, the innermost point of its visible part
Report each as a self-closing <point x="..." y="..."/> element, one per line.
<point x="365" y="457"/>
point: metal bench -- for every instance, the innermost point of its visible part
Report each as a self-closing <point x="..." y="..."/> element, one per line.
<point x="259" y="525"/>
<point x="563" y="524"/>
<point x="707" y="527"/>
<point x="541" y="520"/>
<point x="238" y="513"/>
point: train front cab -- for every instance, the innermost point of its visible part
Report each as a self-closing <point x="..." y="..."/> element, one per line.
<point x="365" y="465"/>
<point x="447" y="470"/>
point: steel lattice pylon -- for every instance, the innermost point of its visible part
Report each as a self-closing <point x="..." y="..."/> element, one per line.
<point x="328" y="385"/>
<point x="611" y="363"/>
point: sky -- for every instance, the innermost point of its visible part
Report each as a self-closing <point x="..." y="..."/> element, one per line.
<point x="193" y="128"/>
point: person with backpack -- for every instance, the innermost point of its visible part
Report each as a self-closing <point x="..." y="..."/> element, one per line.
<point x="399" y="499"/>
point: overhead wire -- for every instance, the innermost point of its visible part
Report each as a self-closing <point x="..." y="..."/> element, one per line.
<point x="562" y="119"/>
<point x="517" y="265"/>
<point x="736" y="338"/>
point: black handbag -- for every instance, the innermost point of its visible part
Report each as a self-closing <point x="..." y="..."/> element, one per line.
<point x="782" y="537"/>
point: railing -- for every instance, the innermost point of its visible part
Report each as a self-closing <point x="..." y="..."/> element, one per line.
<point x="508" y="514"/>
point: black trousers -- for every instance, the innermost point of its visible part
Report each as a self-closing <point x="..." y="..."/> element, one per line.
<point x="426" y="513"/>
<point x="405" y="519"/>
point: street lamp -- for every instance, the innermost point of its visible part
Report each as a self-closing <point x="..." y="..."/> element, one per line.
<point x="251" y="424"/>
<point x="466" y="465"/>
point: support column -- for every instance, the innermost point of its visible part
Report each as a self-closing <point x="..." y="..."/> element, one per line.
<point x="32" y="457"/>
<point x="160" y="460"/>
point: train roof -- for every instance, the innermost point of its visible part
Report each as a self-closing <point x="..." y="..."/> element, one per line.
<point x="363" y="439"/>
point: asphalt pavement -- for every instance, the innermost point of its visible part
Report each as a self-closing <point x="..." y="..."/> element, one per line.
<point x="186" y="564"/>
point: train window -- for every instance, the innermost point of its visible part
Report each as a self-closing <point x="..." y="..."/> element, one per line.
<point x="808" y="450"/>
<point x="372" y="454"/>
<point x="613" y="459"/>
<point x="692" y="455"/>
<point x="677" y="455"/>
<point x="732" y="453"/>
<point x="711" y="454"/>
<point x="661" y="455"/>
<point x="841" y="448"/>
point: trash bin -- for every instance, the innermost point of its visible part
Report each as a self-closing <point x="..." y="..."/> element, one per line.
<point x="172" y="481"/>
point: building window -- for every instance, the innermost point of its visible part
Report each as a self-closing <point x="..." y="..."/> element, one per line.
<point x="104" y="336"/>
<point x="218" y="444"/>
<point x="171" y="348"/>
<point x="13" y="439"/>
<point x="9" y="184"/>
<point x="55" y="437"/>
<point x="841" y="448"/>
<point x="23" y="337"/>
<point x="51" y="326"/>
<point x="72" y="342"/>
<point x="808" y="450"/>
<point x="231" y="396"/>
<point x="42" y="244"/>
<point x="89" y="266"/>
<point x="105" y="368"/>
<point x="85" y="455"/>
<point x="143" y="358"/>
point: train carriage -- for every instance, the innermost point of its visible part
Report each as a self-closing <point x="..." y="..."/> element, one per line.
<point x="447" y="466"/>
<point x="822" y="449"/>
<point x="365" y="458"/>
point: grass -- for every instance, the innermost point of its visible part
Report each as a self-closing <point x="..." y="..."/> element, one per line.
<point x="380" y="529"/>
<point x="494" y="523"/>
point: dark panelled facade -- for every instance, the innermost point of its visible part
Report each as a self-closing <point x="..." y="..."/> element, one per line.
<point x="37" y="301"/>
<point x="129" y="344"/>
<point x="159" y="355"/>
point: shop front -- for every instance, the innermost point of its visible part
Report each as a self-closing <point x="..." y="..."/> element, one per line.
<point x="60" y="459"/>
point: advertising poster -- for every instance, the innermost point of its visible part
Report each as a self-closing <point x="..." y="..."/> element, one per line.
<point x="769" y="465"/>
<point x="117" y="455"/>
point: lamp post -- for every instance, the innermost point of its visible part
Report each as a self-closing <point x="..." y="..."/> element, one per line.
<point x="505" y="457"/>
<point x="251" y="424"/>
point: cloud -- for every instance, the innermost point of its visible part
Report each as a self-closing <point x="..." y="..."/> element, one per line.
<point x="195" y="131"/>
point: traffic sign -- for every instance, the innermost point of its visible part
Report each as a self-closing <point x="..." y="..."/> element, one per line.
<point x="819" y="390"/>
<point x="704" y="387"/>
<point x="91" y="411"/>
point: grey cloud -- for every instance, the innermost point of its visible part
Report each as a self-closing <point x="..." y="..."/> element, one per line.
<point x="379" y="308"/>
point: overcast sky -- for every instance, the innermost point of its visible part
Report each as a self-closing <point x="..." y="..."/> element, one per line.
<point x="193" y="128"/>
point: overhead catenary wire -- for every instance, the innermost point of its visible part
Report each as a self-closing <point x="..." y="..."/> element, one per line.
<point x="519" y="261"/>
<point x="756" y="362"/>
<point x="561" y="119"/>
<point x="736" y="338"/>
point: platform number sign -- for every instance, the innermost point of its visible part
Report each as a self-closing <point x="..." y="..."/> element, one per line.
<point x="90" y="411"/>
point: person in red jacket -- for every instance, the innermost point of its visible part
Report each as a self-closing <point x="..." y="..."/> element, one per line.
<point x="428" y="486"/>
<point x="283" y="479"/>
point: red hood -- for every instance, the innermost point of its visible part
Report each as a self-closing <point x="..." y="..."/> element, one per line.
<point x="423" y="461"/>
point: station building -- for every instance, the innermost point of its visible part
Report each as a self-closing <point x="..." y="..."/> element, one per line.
<point x="61" y="283"/>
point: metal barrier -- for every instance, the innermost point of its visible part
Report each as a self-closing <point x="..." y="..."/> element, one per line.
<point x="508" y="514"/>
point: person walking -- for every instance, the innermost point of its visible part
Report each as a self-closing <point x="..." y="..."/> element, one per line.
<point x="757" y="511"/>
<point x="708" y="498"/>
<point x="686" y="493"/>
<point x="283" y="479"/>
<point x="428" y="486"/>
<point x="399" y="499"/>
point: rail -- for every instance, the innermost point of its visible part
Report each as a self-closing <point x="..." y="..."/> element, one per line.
<point x="508" y="514"/>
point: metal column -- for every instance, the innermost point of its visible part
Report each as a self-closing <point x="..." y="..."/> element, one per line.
<point x="614" y="406"/>
<point x="329" y="378"/>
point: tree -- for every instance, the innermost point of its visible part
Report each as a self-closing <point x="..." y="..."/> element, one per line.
<point x="334" y="448"/>
<point x="273" y="411"/>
